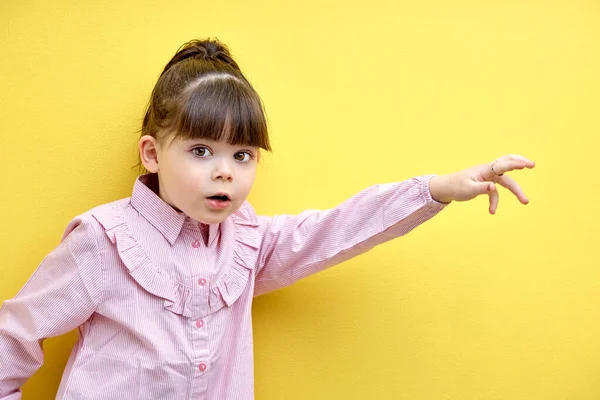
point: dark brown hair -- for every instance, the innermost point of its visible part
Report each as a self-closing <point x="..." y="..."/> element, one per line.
<point x="202" y="94"/>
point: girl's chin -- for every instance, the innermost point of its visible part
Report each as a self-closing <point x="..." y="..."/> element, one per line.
<point x="212" y="219"/>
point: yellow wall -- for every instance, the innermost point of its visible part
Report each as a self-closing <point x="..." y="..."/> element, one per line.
<point x="468" y="306"/>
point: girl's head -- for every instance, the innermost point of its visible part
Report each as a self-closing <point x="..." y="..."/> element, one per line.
<point x="202" y="132"/>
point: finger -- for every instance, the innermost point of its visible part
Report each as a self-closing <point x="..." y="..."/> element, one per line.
<point x="494" y="198"/>
<point x="513" y="186"/>
<point x="505" y="165"/>
<point x="516" y="157"/>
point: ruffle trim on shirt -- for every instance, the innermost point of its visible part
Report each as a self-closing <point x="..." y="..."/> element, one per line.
<point x="245" y="252"/>
<point x="178" y="296"/>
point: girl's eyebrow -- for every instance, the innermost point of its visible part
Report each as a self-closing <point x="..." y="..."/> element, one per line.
<point x="198" y="140"/>
<point x="216" y="142"/>
<point x="195" y="142"/>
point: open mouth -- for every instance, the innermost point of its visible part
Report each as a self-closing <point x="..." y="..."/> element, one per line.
<point x="219" y="201"/>
<point x="222" y="197"/>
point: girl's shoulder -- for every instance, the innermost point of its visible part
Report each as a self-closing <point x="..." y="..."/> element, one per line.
<point x="95" y="221"/>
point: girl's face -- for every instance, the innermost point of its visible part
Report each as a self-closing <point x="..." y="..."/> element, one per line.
<point x="206" y="180"/>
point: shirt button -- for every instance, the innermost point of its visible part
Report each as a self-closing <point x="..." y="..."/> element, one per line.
<point x="202" y="367"/>
<point x="199" y="323"/>
<point x="196" y="244"/>
<point x="201" y="281"/>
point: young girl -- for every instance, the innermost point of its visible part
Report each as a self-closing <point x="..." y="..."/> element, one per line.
<point x="160" y="284"/>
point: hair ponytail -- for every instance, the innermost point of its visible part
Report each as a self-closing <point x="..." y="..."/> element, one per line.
<point x="203" y="50"/>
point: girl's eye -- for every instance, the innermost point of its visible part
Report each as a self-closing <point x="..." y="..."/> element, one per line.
<point x="201" y="151"/>
<point x="243" y="156"/>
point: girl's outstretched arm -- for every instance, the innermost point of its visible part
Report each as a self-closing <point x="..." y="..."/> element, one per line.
<point x="296" y="246"/>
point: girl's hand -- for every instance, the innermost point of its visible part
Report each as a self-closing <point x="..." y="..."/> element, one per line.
<point x="480" y="179"/>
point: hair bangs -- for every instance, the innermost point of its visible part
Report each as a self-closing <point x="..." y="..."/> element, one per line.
<point x="223" y="108"/>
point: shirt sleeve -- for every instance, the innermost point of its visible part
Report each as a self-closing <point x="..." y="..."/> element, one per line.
<point x="296" y="246"/>
<point x="61" y="295"/>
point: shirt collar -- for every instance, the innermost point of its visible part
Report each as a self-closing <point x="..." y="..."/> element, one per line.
<point x="160" y="214"/>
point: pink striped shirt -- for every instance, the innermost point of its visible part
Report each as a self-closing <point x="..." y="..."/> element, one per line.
<point x="163" y="303"/>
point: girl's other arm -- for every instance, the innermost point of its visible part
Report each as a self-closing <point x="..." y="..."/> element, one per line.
<point x="296" y="246"/>
<point x="61" y="295"/>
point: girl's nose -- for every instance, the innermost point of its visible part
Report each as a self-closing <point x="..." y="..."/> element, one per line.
<point x="223" y="172"/>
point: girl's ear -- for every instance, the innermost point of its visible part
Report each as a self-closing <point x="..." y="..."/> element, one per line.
<point x="148" y="147"/>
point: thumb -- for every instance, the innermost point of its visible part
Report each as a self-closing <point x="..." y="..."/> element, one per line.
<point x="485" y="187"/>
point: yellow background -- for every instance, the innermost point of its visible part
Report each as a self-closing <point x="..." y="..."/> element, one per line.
<point x="469" y="305"/>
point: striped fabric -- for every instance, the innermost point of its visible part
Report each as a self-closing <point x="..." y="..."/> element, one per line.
<point x="163" y="303"/>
